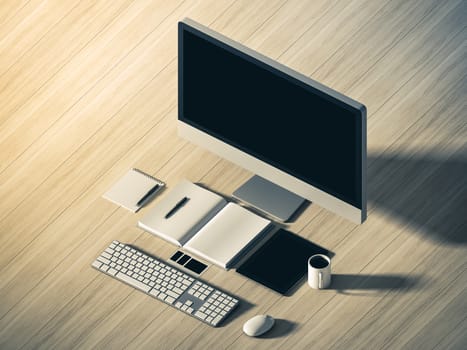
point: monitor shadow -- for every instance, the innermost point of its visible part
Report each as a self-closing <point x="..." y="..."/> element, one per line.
<point x="425" y="192"/>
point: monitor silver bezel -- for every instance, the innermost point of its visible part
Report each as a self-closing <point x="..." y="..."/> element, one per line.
<point x="264" y="169"/>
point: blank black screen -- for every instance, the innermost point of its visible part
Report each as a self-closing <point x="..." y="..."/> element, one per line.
<point x="270" y="115"/>
<point x="281" y="262"/>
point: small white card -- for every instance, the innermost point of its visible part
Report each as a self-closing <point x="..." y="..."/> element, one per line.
<point x="134" y="190"/>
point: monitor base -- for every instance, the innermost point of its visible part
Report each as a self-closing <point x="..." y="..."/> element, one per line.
<point x="270" y="198"/>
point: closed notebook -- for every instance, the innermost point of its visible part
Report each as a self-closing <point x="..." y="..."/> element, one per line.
<point x="131" y="188"/>
<point x="205" y="225"/>
<point x="227" y="235"/>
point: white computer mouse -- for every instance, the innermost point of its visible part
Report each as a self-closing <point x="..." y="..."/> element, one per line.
<point x="258" y="325"/>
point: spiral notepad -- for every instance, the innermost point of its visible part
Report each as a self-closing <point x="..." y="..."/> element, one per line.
<point x="131" y="188"/>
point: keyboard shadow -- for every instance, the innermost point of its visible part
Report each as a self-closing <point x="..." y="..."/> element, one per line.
<point x="243" y="307"/>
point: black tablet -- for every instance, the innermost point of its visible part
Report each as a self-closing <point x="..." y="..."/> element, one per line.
<point x="281" y="262"/>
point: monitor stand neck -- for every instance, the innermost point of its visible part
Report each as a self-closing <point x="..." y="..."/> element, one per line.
<point x="270" y="198"/>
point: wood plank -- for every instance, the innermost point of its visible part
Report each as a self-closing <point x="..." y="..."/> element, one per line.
<point x="26" y="25"/>
<point x="444" y="313"/>
<point x="76" y="71"/>
<point x="456" y="338"/>
<point x="30" y="71"/>
<point x="11" y="9"/>
<point x="399" y="18"/>
<point x="88" y="116"/>
<point x="88" y="90"/>
<point x="430" y="38"/>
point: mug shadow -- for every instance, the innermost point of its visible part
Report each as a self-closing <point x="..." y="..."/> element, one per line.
<point x="426" y="192"/>
<point x="361" y="284"/>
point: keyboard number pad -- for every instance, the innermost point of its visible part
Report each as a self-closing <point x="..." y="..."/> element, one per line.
<point x="200" y="290"/>
<point x="216" y="307"/>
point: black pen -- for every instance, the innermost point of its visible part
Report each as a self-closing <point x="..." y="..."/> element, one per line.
<point x="143" y="200"/>
<point x="177" y="206"/>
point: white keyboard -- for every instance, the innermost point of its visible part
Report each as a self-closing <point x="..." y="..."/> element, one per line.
<point x="166" y="283"/>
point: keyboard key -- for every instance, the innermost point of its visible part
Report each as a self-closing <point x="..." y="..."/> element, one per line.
<point x="104" y="260"/>
<point x="172" y="294"/>
<point x="217" y="320"/>
<point x="178" y="290"/>
<point x="133" y="282"/>
<point x="154" y="292"/>
<point x="170" y="300"/>
<point x="106" y="255"/>
<point x="200" y="315"/>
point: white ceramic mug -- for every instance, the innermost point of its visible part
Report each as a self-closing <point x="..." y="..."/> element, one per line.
<point x="319" y="271"/>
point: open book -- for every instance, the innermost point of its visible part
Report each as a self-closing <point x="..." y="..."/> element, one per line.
<point x="205" y="224"/>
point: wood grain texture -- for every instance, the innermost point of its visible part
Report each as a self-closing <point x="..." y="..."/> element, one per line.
<point x="89" y="89"/>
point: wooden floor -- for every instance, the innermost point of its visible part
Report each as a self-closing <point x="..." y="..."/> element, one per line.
<point x="88" y="90"/>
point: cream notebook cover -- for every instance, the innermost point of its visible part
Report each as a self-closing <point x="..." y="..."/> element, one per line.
<point x="205" y="225"/>
<point x="132" y="187"/>
<point x="227" y="235"/>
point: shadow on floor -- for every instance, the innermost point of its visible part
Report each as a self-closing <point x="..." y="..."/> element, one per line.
<point x="427" y="193"/>
<point x="282" y="328"/>
<point x="243" y="308"/>
<point x="348" y="284"/>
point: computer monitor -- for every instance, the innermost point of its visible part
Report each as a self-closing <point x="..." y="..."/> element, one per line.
<point x="302" y="139"/>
